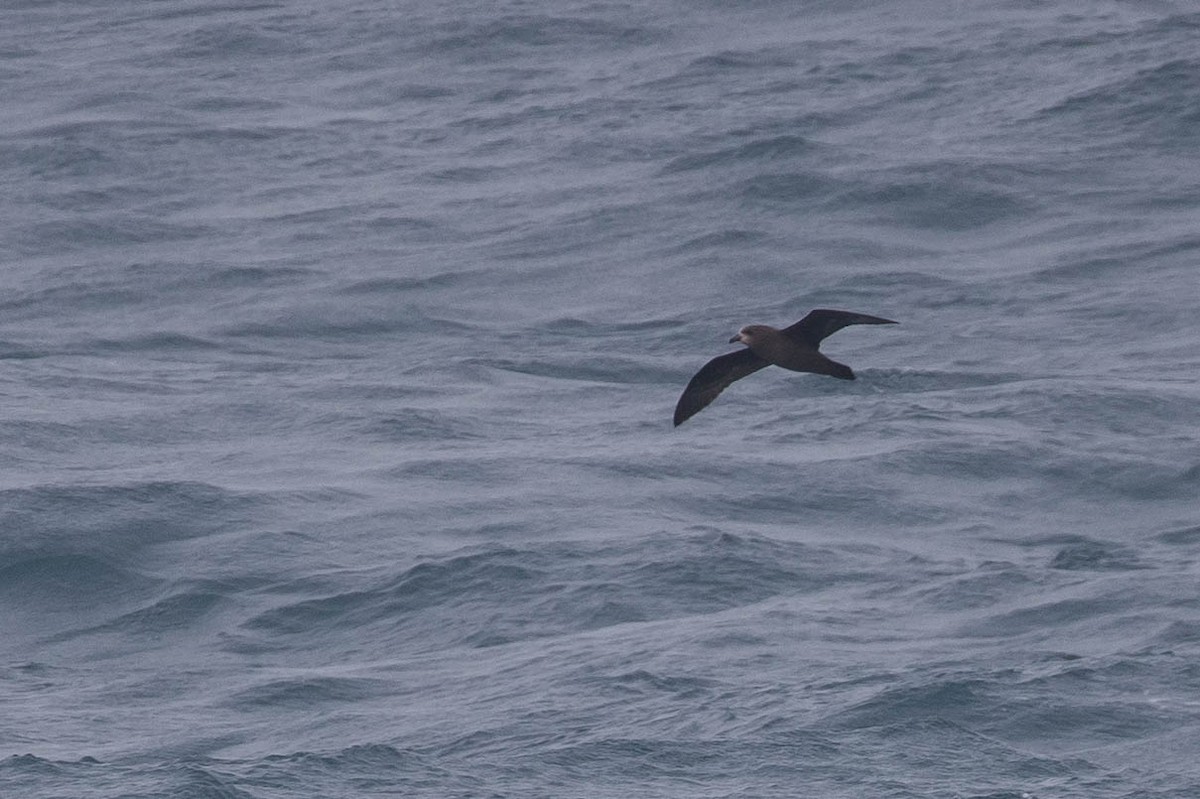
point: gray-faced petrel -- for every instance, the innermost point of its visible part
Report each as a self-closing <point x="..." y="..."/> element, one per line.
<point x="795" y="348"/>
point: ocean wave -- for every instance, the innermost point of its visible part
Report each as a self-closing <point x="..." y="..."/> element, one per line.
<point x="442" y="602"/>
<point x="114" y="521"/>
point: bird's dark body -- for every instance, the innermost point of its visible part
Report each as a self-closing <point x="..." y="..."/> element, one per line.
<point x="796" y="354"/>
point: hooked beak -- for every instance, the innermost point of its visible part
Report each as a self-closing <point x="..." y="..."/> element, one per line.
<point x="736" y="339"/>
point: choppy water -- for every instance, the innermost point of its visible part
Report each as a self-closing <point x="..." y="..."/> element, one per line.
<point x="338" y="349"/>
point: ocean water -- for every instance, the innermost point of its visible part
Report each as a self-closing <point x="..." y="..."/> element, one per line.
<point x="338" y="349"/>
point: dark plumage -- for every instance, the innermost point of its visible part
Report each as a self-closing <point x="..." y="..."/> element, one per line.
<point x="795" y="348"/>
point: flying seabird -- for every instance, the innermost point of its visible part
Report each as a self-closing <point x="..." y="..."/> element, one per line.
<point x="795" y="348"/>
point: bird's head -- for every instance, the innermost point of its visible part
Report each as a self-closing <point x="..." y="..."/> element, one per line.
<point x="749" y="334"/>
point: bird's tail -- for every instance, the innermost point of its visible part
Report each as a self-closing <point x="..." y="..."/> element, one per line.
<point x="835" y="369"/>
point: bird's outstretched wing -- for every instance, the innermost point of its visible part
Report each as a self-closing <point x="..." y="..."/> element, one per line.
<point x="713" y="378"/>
<point x="824" y="322"/>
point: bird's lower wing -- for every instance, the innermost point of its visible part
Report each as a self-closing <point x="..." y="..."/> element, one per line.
<point x="823" y="322"/>
<point x="712" y="379"/>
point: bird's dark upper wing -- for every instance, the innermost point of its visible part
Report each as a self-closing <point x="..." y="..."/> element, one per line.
<point x="824" y="322"/>
<point x="713" y="378"/>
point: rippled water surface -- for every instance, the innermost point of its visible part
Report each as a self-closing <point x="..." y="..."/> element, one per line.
<point x="339" y="345"/>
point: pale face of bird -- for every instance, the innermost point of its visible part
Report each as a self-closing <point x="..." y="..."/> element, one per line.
<point x="749" y="334"/>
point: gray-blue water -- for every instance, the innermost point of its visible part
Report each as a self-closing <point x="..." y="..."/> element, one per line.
<point x="338" y="349"/>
